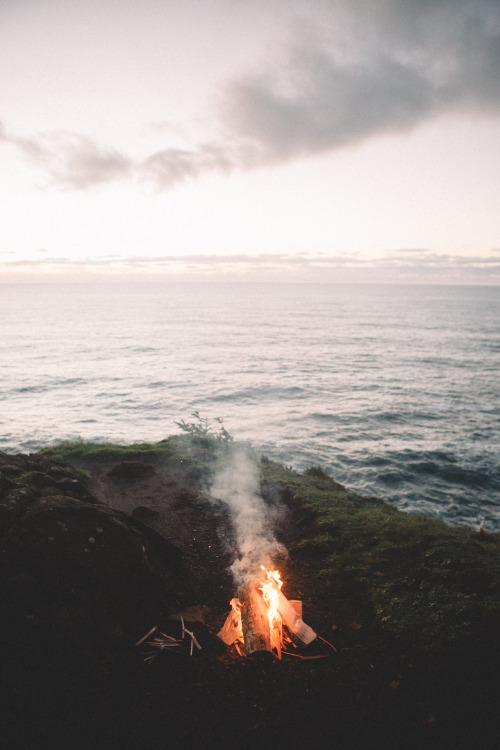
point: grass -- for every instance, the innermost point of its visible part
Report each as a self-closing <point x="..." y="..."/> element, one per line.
<point x="427" y="582"/>
<point x="69" y="451"/>
<point x="200" y="443"/>
<point x="198" y="450"/>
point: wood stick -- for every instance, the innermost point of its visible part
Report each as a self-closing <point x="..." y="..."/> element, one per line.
<point x="327" y="642"/>
<point x="155" y="627"/>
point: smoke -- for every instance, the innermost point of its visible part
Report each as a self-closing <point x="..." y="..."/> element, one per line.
<point x="237" y="486"/>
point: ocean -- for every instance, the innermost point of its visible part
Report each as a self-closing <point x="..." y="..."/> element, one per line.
<point x="393" y="390"/>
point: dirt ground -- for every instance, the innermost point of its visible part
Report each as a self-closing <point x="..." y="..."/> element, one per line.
<point x="369" y="692"/>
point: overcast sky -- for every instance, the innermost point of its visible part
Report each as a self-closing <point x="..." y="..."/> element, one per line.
<point x="261" y="140"/>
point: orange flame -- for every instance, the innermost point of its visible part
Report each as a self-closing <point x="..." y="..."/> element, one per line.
<point x="270" y="591"/>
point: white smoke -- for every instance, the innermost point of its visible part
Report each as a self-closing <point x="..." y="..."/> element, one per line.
<point x="237" y="485"/>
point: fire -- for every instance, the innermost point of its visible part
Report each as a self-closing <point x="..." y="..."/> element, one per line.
<point x="270" y="594"/>
<point x="258" y="615"/>
<point x="270" y="590"/>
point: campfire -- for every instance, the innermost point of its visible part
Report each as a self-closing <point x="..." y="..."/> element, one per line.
<point x="263" y="619"/>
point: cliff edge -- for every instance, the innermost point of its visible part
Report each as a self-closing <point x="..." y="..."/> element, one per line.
<point x="101" y="544"/>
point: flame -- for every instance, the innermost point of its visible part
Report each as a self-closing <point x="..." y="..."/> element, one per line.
<point x="270" y="591"/>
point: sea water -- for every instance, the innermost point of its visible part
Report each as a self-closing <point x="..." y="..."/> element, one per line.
<point x="393" y="390"/>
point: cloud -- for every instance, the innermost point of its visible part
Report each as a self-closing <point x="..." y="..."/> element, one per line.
<point x="76" y="162"/>
<point x="409" y="61"/>
<point x="357" y="69"/>
<point x="167" y="167"/>
<point x="397" y="266"/>
<point x="71" y="160"/>
<point x="341" y="106"/>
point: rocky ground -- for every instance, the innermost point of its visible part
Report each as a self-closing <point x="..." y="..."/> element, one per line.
<point x="93" y="559"/>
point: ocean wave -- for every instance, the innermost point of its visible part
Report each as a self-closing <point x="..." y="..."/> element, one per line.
<point x="259" y="393"/>
<point x="49" y="385"/>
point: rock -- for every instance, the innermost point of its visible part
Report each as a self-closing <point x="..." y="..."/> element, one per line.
<point x="74" y="572"/>
<point x="38" y="479"/>
<point x="79" y="583"/>
<point x="78" y="568"/>
<point x="13" y="504"/>
<point x="74" y="488"/>
<point x="5" y="484"/>
<point x="130" y="470"/>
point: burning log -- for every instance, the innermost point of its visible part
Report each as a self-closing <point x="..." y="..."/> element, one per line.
<point x="254" y="618"/>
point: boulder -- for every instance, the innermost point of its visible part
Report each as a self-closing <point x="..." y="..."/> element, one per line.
<point x="78" y="573"/>
<point x="80" y="583"/>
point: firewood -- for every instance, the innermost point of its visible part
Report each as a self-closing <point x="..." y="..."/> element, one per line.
<point x="150" y="632"/>
<point x="248" y="622"/>
<point x="297" y="605"/>
<point x="190" y="633"/>
<point x="254" y="618"/>
<point x="293" y="622"/>
<point x="231" y="630"/>
<point x="327" y="642"/>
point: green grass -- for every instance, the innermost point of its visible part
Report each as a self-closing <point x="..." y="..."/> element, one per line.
<point x="69" y="451"/>
<point x="428" y="582"/>
<point x="199" y="451"/>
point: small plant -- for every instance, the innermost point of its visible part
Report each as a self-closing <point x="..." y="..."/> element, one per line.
<point x="201" y="429"/>
<point x="316" y="472"/>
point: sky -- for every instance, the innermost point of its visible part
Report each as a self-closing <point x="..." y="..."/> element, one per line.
<point x="250" y="140"/>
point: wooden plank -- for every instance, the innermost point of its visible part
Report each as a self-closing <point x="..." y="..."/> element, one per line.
<point x="293" y="622"/>
<point x="231" y="630"/>
<point x="297" y="606"/>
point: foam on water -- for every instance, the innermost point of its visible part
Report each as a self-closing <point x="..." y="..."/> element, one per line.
<point x="393" y="390"/>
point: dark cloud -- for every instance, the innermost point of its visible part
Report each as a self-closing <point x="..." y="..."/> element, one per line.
<point x="342" y="105"/>
<point x="361" y="68"/>
<point x="409" y="60"/>
<point x="167" y="167"/>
